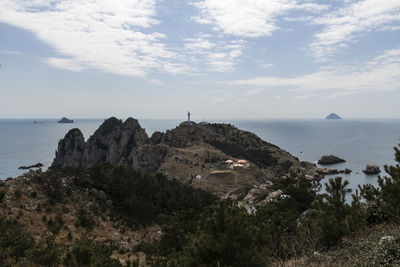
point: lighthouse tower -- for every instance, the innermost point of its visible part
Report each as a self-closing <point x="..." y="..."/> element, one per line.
<point x="188" y="114"/>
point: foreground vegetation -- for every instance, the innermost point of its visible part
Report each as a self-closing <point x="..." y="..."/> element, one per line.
<point x="295" y="227"/>
<point x="198" y="230"/>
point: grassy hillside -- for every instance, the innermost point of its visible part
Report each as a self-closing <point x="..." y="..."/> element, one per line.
<point x="113" y="216"/>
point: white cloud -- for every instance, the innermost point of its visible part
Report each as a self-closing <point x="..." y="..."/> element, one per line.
<point x="217" y="56"/>
<point x="266" y="66"/>
<point x="254" y="91"/>
<point x="248" y="18"/>
<point x="156" y="81"/>
<point x="302" y="97"/>
<point x="10" y="52"/>
<point x="342" y="25"/>
<point x="380" y="74"/>
<point x="64" y="63"/>
<point x="107" y="35"/>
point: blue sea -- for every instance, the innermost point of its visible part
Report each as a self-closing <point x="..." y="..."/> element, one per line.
<point x="359" y="142"/>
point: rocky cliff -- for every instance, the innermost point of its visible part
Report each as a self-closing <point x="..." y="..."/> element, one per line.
<point x="195" y="154"/>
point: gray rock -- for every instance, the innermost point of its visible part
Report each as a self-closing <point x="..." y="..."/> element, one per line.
<point x="70" y="150"/>
<point x="371" y="169"/>
<point x="330" y="159"/>
<point x="327" y="171"/>
<point x="113" y="142"/>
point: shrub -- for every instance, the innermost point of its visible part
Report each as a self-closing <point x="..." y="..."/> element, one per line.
<point x="385" y="198"/>
<point x="14" y="242"/>
<point x="46" y="252"/>
<point x="143" y="198"/>
<point x="85" y="219"/>
<point x="260" y="157"/>
<point x="86" y="252"/>
<point x="3" y="193"/>
<point x="17" y="193"/>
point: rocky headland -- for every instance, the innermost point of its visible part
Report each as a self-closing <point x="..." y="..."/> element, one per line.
<point x="202" y="155"/>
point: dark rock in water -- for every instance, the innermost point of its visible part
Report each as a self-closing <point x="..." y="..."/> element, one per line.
<point x="65" y="120"/>
<point x="371" y="169"/>
<point x="345" y="171"/>
<point x="37" y="165"/>
<point x="333" y="116"/>
<point x="327" y="171"/>
<point x="330" y="159"/>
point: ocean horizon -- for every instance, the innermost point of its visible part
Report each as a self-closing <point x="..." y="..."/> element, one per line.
<point x="358" y="141"/>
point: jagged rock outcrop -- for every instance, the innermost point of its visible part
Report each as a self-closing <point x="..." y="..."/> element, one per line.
<point x="70" y="150"/>
<point x="113" y="142"/>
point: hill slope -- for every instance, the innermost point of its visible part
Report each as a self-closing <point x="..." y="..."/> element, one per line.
<point x="194" y="154"/>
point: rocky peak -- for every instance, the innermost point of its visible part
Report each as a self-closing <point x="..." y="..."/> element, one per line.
<point x="70" y="150"/>
<point x="113" y="142"/>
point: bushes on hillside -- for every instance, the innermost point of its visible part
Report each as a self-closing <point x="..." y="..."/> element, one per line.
<point x="260" y="157"/>
<point x="18" y="248"/>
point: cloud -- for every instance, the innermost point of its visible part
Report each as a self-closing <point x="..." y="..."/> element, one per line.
<point x="108" y="35"/>
<point x="254" y="91"/>
<point x="248" y="18"/>
<point x="341" y="26"/>
<point x="380" y="74"/>
<point x="302" y="97"/>
<point x="266" y="66"/>
<point x="10" y="52"/>
<point x="156" y="81"/>
<point x="64" y="63"/>
<point x="212" y="56"/>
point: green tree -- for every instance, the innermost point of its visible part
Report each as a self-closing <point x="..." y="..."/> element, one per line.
<point x="14" y="243"/>
<point x="334" y="216"/>
<point x="86" y="252"/>
<point x="46" y="252"/>
<point x="384" y="200"/>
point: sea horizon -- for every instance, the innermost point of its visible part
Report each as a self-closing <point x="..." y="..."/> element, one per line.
<point x="358" y="141"/>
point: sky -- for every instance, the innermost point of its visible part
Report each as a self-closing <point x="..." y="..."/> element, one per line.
<point x="220" y="59"/>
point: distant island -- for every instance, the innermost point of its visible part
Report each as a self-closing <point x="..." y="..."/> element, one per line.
<point x="333" y="116"/>
<point x="65" y="120"/>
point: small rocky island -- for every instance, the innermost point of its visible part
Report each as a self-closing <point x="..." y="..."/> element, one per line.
<point x="330" y="159"/>
<point x="333" y="116"/>
<point x="372" y="169"/>
<point x="65" y="120"/>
